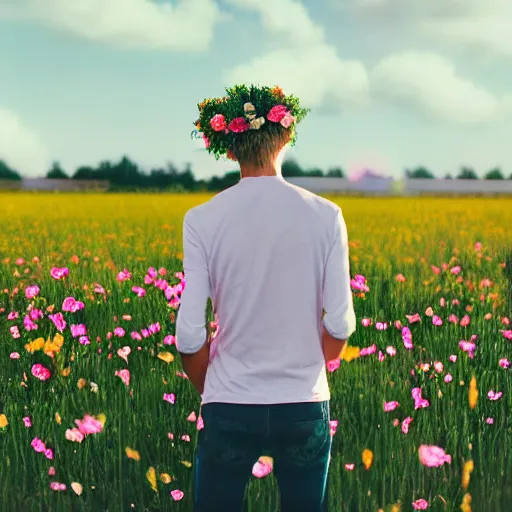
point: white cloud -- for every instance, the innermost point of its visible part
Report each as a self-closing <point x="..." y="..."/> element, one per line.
<point x="430" y="82"/>
<point x="21" y="148"/>
<point x="313" y="74"/>
<point x="482" y="24"/>
<point x="288" y="18"/>
<point x="189" y="25"/>
<point x="304" y="64"/>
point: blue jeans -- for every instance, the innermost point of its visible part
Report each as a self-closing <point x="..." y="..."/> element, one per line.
<point x="234" y="436"/>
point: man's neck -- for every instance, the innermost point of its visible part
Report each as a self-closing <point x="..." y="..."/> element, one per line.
<point x="253" y="172"/>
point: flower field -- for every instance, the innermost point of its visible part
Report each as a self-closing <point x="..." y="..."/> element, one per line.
<point x="96" y="414"/>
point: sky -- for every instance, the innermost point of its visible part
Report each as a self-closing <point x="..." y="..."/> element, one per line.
<point x="391" y="84"/>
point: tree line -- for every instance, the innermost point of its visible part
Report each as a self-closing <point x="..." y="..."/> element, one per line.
<point x="128" y="175"/>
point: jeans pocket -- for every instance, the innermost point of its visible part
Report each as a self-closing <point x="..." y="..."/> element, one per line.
<point x="307" y="441"/>
<point x="224" y="440"/>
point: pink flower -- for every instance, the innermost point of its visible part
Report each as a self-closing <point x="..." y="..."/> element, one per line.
<point x="277" y="113"/>
<point x="333" y="426"/>
<point x="263" y="467"/>
<point x="135" y="336"/>
<point x="413" y="318"/>
<point x="218" y="123"/>
<point x="287" y="120"/>
<point x="124" y="375"/>
<point x="381" y="326"/>
<point x="489" y="421"/>
<point x="13" y="315"/>
<point x="200" y="423"/>
<point x="350" y="467"/>
<point x="436" y="320"/>
<point x="170" y="397"/>
<point x="453" y="358"/>
<point x="170" y="340"/>
<point x="186" y="438"/>
<point x="438" y="366"/>
<point x="40" y="372"/>
<point x="48" y="453"/>
<point x="390" y="406"/>
<point x="453" y="319"/>
<point x="504" y="363"/>
<point x="139" y="291"/>
<point x="455" y="270"/>
<point x="433" y="456"/>
<point x="89" y="425"/>
<point x="119" y="332"/>
<point x="391" y="351"/>
<point x="366" y="322"/>
<point x="381" y="357"/>
<point x="359" y="283"/>
<point x="469" y="347"/>
<point x="28" y="324"/>
<point x="407" y="338"/>
<point x="57" y="486"/>
<point x="14" y="355"/>
<point x="177" y="495"/>
<point x="420" y="504"/>
<point x="192" y="417"/>
<point x="35" y="314"/>
<point x="448" y="378"/>
<point x="38" y="445"/>
<point x="367" y="351"/>
<point x="84" y="340"/>
<point x="493" y="395"/>
<point x="435" y="269"/>
<point x="239" y="125"/>
<point x="465" y="321"/>
<point x="419" y="401"/>
<point x="478" y="246"/>
<point x="15" y="332"/>
<point x="78" y="330"/>
<point x="74" y="435"/>
<point x="31" y="291"/>
<point x="27" y="422"/>
<point x="507" y="334"/>
<point x="405" y="424"/>
<point x="400" y="278"/>
<point x="58" y="321"/>
<point x="124" y="275"/>
<point x="333" y="365"/>
<point x="206" y="141"/>
<point x="71" y="305"/>
<point x="59" y="273"/>
<point x="51" y="471"/>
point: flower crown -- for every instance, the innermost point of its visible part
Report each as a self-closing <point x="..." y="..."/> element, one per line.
<point x="245" y="108"/>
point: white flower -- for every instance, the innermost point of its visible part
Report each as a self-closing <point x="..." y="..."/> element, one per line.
<point x="250" y="111"/>
<point x="256" y="124"/>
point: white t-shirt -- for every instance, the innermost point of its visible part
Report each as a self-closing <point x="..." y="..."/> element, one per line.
<point x="271" y="255"/>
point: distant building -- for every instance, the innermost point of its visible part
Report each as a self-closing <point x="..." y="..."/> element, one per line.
<point x="366" y="174"/>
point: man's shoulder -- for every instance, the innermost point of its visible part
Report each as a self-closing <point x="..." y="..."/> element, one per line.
<point x="208" y="208"/>
<point x="329" y="207"/>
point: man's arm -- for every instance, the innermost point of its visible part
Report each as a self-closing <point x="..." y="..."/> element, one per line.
<point x="339" y="320"/>
<point x="192" y="338"/>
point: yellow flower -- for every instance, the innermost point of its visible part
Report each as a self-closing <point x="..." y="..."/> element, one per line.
<point x="367" y="458"/>
<point x="186" y="463"/>
<point x="101" y="418"/>
<point x="151" y="476"/>
<point x="166" y="478"/>
<point x="58" y="419"/>
<point x="466" y="473"/>
<point x="166" y="356"/>
<point x="52" y="347"/>
<point x="132" y="454"/>
<point x="473" y="393"/>
<point x="466" y="503"/>
<point x="3" y="421"/>
<point x="77" y="488"/>
<point x="35" y="345"/>
<point x="349" y="353"/>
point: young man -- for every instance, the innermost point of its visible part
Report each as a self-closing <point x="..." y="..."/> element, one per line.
<point x="273" y="257"/>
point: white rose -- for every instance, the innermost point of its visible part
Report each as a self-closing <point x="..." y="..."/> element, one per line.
<point x="256" y="124"/>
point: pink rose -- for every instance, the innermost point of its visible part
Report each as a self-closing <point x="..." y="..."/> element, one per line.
<point x="287" y="120"/>
<point x="218" y="123"/>
<point x="239" y="125"/>
<point x="277" y="113"/>
<point x="206" y="141"/>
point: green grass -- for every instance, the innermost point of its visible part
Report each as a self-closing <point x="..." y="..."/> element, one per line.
<point x="388" y="236"/>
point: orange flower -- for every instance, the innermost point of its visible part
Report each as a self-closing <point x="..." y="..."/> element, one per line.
<point x="367" y="457"/>
<point x="466" y="473"/>
<point x="473" y="393"/>
<point x="277" y="91"/>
